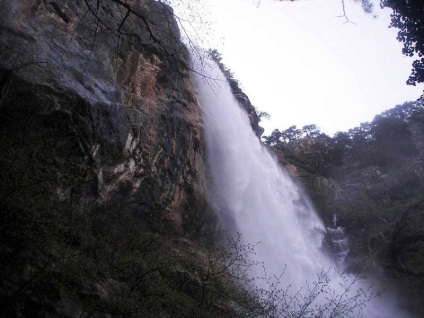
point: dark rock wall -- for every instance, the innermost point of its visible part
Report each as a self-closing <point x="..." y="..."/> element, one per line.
<point x="122" y="91"/>
<point x="102" y="160"/>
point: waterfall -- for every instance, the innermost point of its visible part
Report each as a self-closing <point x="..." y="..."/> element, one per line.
<point x="338" y="239"/>
<point x="254" y="196"/>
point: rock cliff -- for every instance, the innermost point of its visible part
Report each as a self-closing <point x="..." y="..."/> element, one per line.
<point x="238" y="93"/>
<point x="102" y="177"/>
<point x="141" y="126"/>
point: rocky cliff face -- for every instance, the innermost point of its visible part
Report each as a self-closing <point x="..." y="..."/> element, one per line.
<point x="238" y="93"/>
<point x="130" y="105"/>
<point x="102" y="149"/>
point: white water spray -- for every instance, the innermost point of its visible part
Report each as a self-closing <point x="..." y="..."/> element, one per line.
<point x="254" y="196"/>
<point x="338" y="238"/>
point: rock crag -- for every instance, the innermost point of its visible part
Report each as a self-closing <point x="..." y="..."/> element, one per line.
<point x="102" y="158"/>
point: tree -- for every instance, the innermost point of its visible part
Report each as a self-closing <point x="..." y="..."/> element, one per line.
<point x="263" y="115"/>
<point x="317" y="298"/>
<point x="150" y="37"/>
<point x="408" y="17"/>
<point x="392" y="141"/>
<point x="274" y="138"/>
<point x="311" y="131"/>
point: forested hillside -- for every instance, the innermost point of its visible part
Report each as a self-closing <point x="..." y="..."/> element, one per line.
<point x="372" y="178"/>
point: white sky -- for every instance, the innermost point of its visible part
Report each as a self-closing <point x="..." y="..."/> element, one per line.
<point x="303" y="65"/>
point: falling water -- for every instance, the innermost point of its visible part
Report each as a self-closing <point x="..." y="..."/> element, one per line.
<point x="338" y="239"/>
<point x="253" y="195"/>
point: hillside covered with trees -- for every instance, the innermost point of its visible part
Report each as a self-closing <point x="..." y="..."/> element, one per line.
<point x="372" y="178"/>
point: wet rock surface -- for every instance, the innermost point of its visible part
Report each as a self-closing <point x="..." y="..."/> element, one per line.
<point x="99" y="110"/>
<point x="134" y="107"/>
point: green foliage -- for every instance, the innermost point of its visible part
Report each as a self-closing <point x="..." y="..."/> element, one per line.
<point x="408" y="17"/>
<point x="263" y="115"/>
<point x="391" y="139"/>
<point x="308" y="148"/>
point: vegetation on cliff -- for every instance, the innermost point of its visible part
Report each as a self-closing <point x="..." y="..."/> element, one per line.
<point x="372" y="177"/>
<point x="242" y="98"/>
<point x="407" y="16"/>
<point x="392" y="138"/>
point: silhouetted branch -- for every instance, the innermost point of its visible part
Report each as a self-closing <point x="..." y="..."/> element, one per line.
<point x="344" y="15"/>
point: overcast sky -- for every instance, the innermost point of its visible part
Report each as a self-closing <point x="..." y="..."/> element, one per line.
<point x="303" y="65"/>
